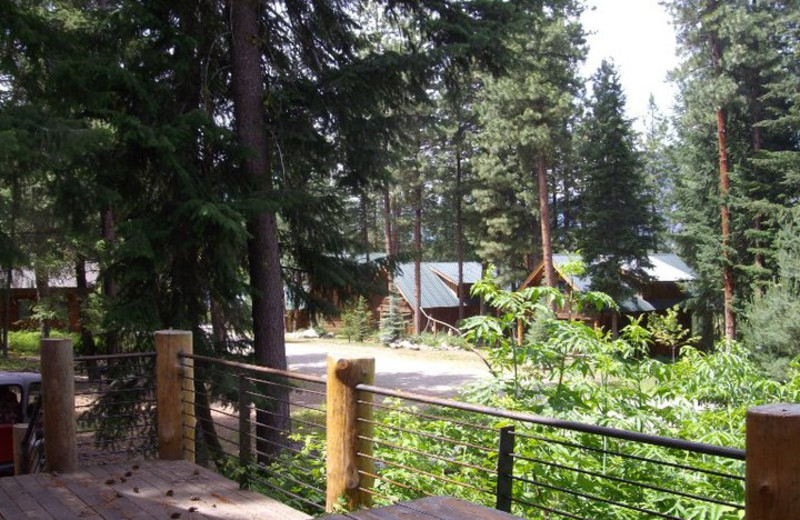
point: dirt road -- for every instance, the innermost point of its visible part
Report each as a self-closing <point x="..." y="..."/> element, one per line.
<point x="439" y="373"/>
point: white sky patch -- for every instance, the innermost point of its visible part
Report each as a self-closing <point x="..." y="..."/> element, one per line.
<point x="639" y="37"/>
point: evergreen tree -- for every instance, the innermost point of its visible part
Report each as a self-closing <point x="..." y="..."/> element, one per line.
<point x="617" y="226"/>
<point x="771" y="327"/>
<point x="658" y="156"/>
<point x="524" y="116"/>
<point x="735" y="53"/>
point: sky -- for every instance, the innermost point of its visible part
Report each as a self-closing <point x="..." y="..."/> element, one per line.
<point x="638" y="36"/>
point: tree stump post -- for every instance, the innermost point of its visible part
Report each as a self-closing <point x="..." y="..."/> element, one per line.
<point x="58" y="400"/>
<point x="347" y="420"/>
<point x="773" y="462"/>
<point x="175" y="396"/>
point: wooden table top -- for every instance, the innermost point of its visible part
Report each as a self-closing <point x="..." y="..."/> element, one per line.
<point x="430" y="508"/>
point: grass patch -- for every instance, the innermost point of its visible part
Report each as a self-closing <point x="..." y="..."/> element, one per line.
<point x="27" y="342"/>
<point x="19" y="363"/>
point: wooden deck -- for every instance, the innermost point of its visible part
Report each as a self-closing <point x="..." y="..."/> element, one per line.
<point x="144" y="490"/>
<point x="429" y="508"/>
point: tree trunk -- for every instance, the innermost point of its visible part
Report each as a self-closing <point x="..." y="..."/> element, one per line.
<point x="459" y="236"/>
<point x="88" y="347"/>
<point x="208" y="430"/>
<point x="725" y="215"/>
<point x="43" y="297"/>
<point x="544" y="218"/>
<point x="724" y="187"/>
<point x="387" y="223"/>
<point x="364" y="223"/>
<point x="266" y="284"/>
<point x="418" y="258"/>
<point x="109" y="236"/>
<point x="219" y="333"/>
<point x="9" y="273"/>
<point x="9" y="276"/>
<point x="395" y="219"/>
<point x="755" y="117"/>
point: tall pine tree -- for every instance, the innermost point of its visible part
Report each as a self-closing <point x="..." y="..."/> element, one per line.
<point x="617" y="224"/>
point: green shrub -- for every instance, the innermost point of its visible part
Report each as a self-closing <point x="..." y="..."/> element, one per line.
<point x="357" y="320"/>
<point x="27" y="341"/>
<point x="393" y="325"/>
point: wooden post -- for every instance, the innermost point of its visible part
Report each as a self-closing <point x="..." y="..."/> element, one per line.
<point x="773" y="462"/>
<point x="18" y="435"/>
<point x="58" y="399"/>
<point x="344" y="428"/>
<point x="175" y="396"/>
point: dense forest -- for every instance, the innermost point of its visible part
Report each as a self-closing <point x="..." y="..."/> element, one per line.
<point x="213" y="159"/>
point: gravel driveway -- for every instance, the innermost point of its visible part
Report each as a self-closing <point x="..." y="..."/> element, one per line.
<point x="438" y="373"/>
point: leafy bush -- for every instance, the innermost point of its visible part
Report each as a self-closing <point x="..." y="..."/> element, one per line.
<point x="438" y="340"/>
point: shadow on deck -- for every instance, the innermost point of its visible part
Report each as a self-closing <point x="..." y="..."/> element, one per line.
<point x="153" y="489"/>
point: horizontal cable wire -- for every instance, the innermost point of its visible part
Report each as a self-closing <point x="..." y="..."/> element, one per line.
<point x="430" y="455"/>
<point x="291" y="403"/>
<point x="288" y="493"/>
<point x="428" y="416"/>
<point x="373" y="492"/>
<point x="429" y="435"/>
<point x="253" y="368"/>
<point x="115" y="391"/>
<point x="629" y="456"/>
<point x="291" y="388"/>
<point x="273" y="486"/>
<point x="395" y="483"/>
<point x="106" y="442"/>
<point x="426" y="473"/>
<point x="269" y="470"/>
<point x="589" y="496"/>
<point x="113" y="357"/>
<point x="666" y="442"/>
<point x="628" y="482"/>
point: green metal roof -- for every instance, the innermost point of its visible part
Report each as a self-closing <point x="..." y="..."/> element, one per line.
<point x="435" y="292"/>
<point x="666" y="268"/>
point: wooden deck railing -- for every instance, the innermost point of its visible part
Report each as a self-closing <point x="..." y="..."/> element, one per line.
<point x="358" y="456"/>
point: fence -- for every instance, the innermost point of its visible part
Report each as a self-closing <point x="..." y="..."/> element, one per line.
<point x="243" y="430"/>
<point x="115" y="407"/>
<point x="530" y="465"/>
<point x="407" y="446"/>
<point x="377" y="446"/>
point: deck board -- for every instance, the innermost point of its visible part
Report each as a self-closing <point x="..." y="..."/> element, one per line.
<point x="136" y="492"/>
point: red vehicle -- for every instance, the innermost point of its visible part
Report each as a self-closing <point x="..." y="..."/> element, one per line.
<point x="18" y="393"/>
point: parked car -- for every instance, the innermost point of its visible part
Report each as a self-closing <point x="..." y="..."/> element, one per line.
<point x="18" y="393"/>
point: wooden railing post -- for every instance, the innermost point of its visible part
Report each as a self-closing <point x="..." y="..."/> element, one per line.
<point x="347" y="473"/>
<point x="58" y="400"/>
<point x="773" y="462"/>
<point x="18" y="435"/>
<point x="175" y="396"/>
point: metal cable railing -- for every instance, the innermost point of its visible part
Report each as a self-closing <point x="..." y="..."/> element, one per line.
<point x="529" y="465"/>
<point x="264" y="428"/>
<point x="115" y="407"/>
